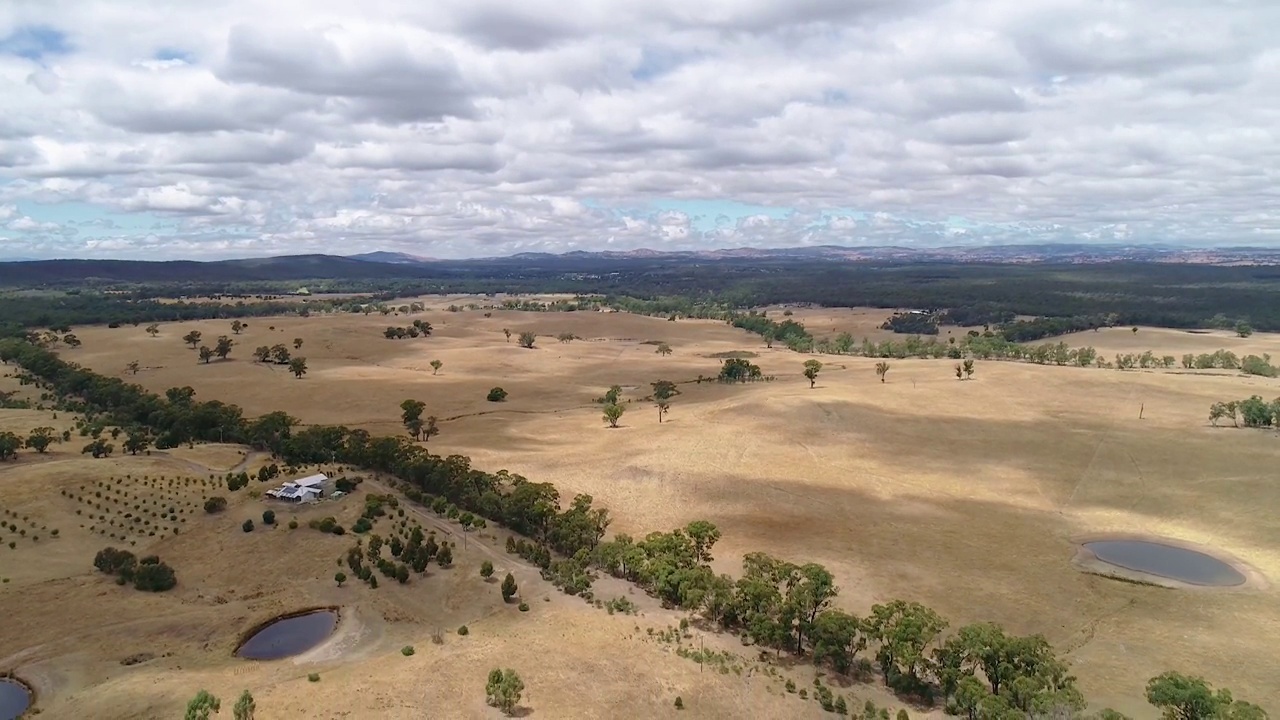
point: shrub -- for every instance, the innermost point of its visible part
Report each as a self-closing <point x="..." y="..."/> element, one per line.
<point x="154" y="577"/>
<point x="112" y="561"/>
<point x="247" y="526"/>
<point x="463" y="630"/>
<point x="293" y="524"/>
<point x="407" y="650"/>
<point x="340" y="577"/>
<point x="215" y="505"/>
<point x="362" y="525"/>
<point x="268" y="517"/>
<point x="509" y="587"/>
<point x="524" y="607"/>
<point x="486" y="569"/>
<point x="313" y="677"/>
<point x="679" y="703"/>
<point x="496" y="395"/>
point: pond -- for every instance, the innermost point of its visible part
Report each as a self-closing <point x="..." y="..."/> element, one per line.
<point x="1167" y="561"/>
<point x="14" y="699"/>
<point x="289" y="635"/>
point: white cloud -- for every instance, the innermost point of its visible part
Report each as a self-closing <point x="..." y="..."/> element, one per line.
<point x="477" y="127"/>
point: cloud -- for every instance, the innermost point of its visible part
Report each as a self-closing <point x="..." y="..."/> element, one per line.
<point x="479" y="127"/>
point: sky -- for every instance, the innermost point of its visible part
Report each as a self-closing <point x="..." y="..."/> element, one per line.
<point x="158" y="129"/>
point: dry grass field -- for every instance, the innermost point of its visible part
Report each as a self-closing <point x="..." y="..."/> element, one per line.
<point x="966" y="496"/>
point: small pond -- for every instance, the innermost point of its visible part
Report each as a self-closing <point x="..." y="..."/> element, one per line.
<point x="14" y="699"/>
<point x="289" y="636"/>
<point x="1166" y="561"/>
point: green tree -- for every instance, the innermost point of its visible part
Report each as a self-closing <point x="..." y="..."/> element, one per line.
<point x="565" y="337"/>
<point x="247" y="526"/>
<point x="968" y="369"/>
<point x="99" y="448"/>
<point x="1244" y="329"/>
<point x="435" y="366"/>
<point x="431" y="428"/>
<point x="133" y="367"/>
<point x="444" y="556"/>
<point x="527" y="339"/>
<point x="663" y="349"/>
<point x="496" y="394"/>
<point x="245" y="707"/>
<point x="297" y="343"/>
<point x="486" y="569"/>
<point x="71" y="340"/>
<point x="192" y="338"/>
<point x="202" y="706"/>
<point x="509" y="587"/>
<point x="223" y="347"/>
<point x="507" y="332"/>
<point x="206" y="354"/>
<point x="612" y="413"/>
<point x="41" y="438"/>
<point x="268" y="517"/>
<point x="411" y="417"/>
<point x="811" y="370"/>
<point x="298" y="366"/>
<point x="280" y="354"/>
<point x="612" y="395"/>
<point x="262" y="354"/>
<point x="237" y="326"/>
<point x="10" y="444"/>
<point x="153" y="329"/>
<point x="882" y="369"/>
<point x="1182" y="697"/>
<point x="904" y="630"/>
<point x="503" y="690"/>
<point x="340" y="578"/>
<point x="137" y="441"/>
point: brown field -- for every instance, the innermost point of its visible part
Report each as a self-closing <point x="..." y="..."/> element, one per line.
<point x="966" y="496"/>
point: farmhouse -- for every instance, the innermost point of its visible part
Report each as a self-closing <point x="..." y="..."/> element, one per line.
<point x="306" y="489"/>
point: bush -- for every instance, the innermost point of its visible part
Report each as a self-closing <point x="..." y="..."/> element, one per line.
<point x="154" y="577"/>
<point x="112" y="561"/>
<point x="362" y="525"/>
<point x="496" y="395"/>
<point x="463" y="630"/>
<point x="215" y="505"/>
<point x="268" y="517"/>
<point x="314" y="677"/>
<point x="407" y="650"/>
<point x="679" y="703"/>
<point x="509" y="587"/>
<point x="247" y="526"/>
<point x="486" y="569"/>
<point x="293" y="524"/>
<point x="524" y="607"/>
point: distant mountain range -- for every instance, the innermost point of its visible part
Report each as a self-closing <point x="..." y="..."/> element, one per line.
<point x="390" y="265"/>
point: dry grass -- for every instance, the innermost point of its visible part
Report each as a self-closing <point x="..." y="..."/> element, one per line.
<point x="962" y="495"/>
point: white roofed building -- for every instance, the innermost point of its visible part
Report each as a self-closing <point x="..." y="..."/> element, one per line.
<point x="307" y="489"/>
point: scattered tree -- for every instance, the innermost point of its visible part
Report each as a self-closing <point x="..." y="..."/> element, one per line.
<point x="503" y="690"/>
<point x="153" y="329"/>
<point x="565" y="337"/>
<point x="612" y="413"/>
<point x="340" y="578"/>
<point x="206" y="354"/>
<point x="663" y="349"/>
<point x="297" y="343"/>
<point x="223" y="347"/>
<point x="215" y="505"/>
<point x="430" y="429"/>
<point x="496" y="395"/>
<point x="1181" y="697"/>
<point x="202" y="706"/>
<point x="298" y="366"/>
<point x="968" y="369"/>
<point x="811" y="370"/>
<point x="137" y="441"/>
<point x="268" y="517"/>
<point x="882" y="369"/>
<point x="527" y="339"/>
<point x="262" y="354"/>
<point x="435" y="366"/>
<point x="192" y="338"/>
<point x="486" y="569"/>
<point x="247" y="526"/>
<point x="133" y="367"/>
<point x="1244" y="329"/>
<point x="99" y="448"/>
<point x="509" y="587"/>
<point x="507" y="332"/>
<point x="9" y="445"/>
<point x="245" y="707"/>
<point x="237" y="326"/>
<point x="41" y="438"/>
<point x="71" y="340"/>
<point x="411" y="417"/>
